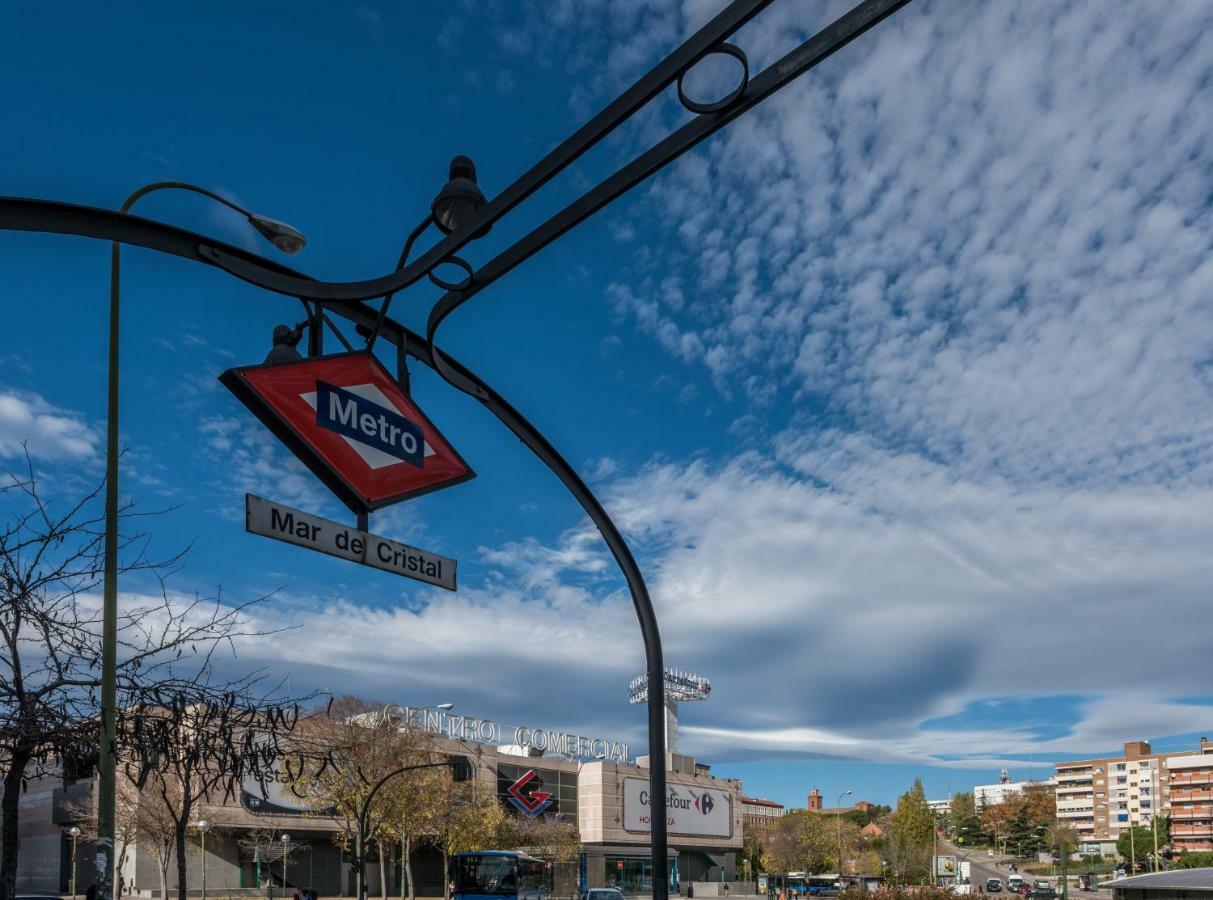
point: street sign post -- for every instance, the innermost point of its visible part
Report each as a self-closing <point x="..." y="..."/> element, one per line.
<point x="348" y="421"/>
<point x="302" y="529"/>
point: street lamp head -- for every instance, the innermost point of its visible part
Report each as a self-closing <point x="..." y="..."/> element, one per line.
<point x="203" y="825"/>
<point x="460" y="200"/>
<point x="287" y="238"/>
<point x="74" y="831"/>
<point x="286" y="838"/>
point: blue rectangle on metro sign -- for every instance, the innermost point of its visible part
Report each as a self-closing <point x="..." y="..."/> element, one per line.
<point x="369" y="423"/>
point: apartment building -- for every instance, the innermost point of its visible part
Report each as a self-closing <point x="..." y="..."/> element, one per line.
<point x="759" y="814"/>
<point x="1103" y="797"/>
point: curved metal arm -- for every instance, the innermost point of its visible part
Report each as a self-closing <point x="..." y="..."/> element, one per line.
<point x="404" y="258"/>
<point x="180" y="186"/>
<point x="55" y="217"/>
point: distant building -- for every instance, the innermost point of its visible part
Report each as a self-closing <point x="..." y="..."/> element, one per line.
<point x="940" y="806"/>
<point x="815" y="805"/>
<point x="985" y="795"/>
<point x="759" y="814"/>
<point x="872" y="830"/>
<point x="1103" y="797"/>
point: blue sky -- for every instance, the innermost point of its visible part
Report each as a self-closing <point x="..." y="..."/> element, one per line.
<point x="900" y="387"/>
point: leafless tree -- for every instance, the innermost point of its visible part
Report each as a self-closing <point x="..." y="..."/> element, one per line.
<point x="51" y="562"/>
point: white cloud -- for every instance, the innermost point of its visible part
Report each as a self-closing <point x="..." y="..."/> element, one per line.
<point x="27" y="420"/>
<point x="984" y="233"/>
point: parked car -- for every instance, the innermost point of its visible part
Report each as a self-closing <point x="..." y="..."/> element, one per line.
<point x="603" y="894"/>
<point x="994" y="886"/>
<point x="1043" y="893"/>
<point x="1042" y="883"/>
<point x="1021" y="887"/>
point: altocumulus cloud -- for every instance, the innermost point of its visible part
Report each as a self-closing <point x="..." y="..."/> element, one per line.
<point x="50" y="433"/>
<point x="980" y="239"/>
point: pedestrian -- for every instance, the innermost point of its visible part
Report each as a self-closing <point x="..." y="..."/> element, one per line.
<point x="296" y="895"/>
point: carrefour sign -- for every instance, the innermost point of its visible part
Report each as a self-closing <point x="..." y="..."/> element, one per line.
<point x="691" y="810"/>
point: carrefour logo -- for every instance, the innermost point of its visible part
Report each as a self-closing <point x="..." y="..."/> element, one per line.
<point x="370" y="423"/>
<point x="704" y="803"/>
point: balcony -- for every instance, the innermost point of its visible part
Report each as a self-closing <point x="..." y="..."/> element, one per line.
<point x="1190" y="796"/>
<point x="1191" y="812"/>
<point x="1084" y="775"/>
<point x="1205" y="830"/>
<point x="1201" y="778"/>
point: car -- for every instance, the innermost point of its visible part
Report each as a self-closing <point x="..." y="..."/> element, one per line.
<point x="603" y="894"/>
<point x="1041" y="883"/>
<point x="1043" y="893"/>
<point x="994" y="886"/>
<point x="989" y="853"/>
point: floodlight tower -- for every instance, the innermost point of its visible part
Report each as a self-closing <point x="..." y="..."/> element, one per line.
<point x="679" y="685"/>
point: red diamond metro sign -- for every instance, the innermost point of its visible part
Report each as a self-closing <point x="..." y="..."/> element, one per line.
<point x="348" y="421"/>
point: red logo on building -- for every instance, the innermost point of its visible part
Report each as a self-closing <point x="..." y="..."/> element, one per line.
<point x="348" y="421"/>
<point x="531" y="804"/>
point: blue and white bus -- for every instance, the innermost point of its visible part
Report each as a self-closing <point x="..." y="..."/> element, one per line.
<point x="497" y="874"/>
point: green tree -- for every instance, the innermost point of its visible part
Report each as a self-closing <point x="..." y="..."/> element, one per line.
<point x="1140" y="843"/>
<point x="802" y="841"/>
<point x="1196" y="860"/>
<point x="966" y="825"/>
<point x="912" y="833"/>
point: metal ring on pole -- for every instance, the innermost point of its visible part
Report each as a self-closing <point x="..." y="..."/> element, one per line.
<point x="725" y="49"/>
<point x="453" y="285"/>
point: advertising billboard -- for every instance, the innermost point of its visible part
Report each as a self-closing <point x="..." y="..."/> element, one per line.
<point x="691" y="810"/>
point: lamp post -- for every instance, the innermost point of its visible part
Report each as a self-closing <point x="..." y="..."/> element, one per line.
<point x="360" y="844"/>
<point x="1154" y="811"/>
<point x="286" y="850"/>
<point x="203" y="826"/>
<point x="838" y="815"/>
<point x="286" y="239"/>
<point x="75" y="833"/>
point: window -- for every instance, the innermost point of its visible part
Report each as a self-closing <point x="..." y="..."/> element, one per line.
<point x="1120" y="767"/>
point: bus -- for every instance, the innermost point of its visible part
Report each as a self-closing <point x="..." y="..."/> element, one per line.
<point x="797" y="884"/>
<point x="497" y="874"/>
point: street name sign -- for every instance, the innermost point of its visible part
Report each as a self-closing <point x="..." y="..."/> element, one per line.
<point x="345" y="418"/>
<point x="293" y="526"/>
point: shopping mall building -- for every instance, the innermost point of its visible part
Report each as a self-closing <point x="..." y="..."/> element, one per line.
<point x="594" y="782"/>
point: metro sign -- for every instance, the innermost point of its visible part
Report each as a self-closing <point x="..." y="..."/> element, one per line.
<point x="348" y="421"/>
<point x="529" y="804"/>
